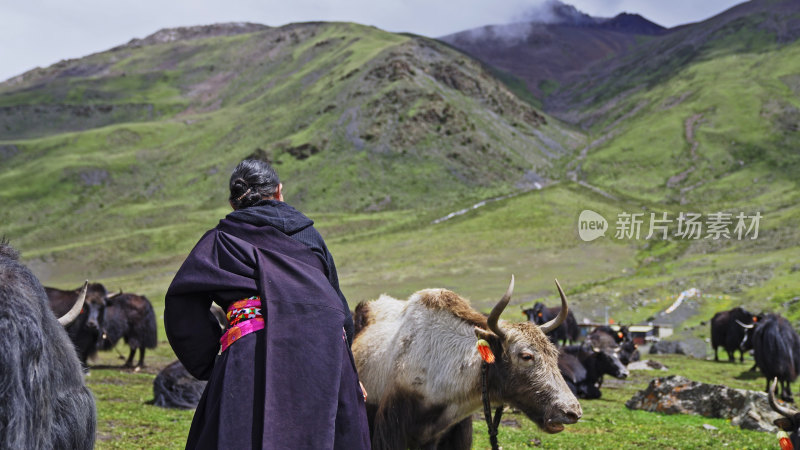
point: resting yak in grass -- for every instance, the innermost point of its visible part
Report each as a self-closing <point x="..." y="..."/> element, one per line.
<point x="583" y="367"/>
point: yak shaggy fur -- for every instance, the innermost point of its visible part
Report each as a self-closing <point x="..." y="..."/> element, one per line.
<point x="420" y="366"/>
<point x="44" y="403"/>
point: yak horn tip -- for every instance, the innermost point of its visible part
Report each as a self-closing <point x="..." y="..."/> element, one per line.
<point x="562" y="315"/>
<point x="782" y="410"/>
<point x="73" y="313"/>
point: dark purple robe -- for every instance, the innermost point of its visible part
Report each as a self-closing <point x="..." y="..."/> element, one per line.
<point x="292" y="385"/>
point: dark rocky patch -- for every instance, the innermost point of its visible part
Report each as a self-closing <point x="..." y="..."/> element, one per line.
<point x="678" y="395"/>
<point x="261" y="155"/>
<point x="303" y="151"/>
<point x="93" y="177"/>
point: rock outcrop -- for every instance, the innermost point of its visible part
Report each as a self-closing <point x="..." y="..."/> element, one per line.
<point x="678" y="395"/>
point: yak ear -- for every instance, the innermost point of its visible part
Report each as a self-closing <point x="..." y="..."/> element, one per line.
<point x="783" y="423"/>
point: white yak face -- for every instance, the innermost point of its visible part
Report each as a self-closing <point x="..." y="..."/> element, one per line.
<point x="528" y="377"/>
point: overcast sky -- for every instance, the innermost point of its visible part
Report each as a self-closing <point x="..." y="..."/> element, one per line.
<point x="42" y="32"/>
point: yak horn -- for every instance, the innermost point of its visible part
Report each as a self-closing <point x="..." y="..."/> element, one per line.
<point x="73" y="313"/>
<point x="784" y="411"/>
<point x="553" y="324"/>
<point x="116" y="294"/>
<point x="743" y="325"/>
<point x="498" y="309"/>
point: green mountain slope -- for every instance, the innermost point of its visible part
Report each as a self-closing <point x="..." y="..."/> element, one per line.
<point x="125" y="153"/>
<point x="750" y="27"/>
<point x="704" y="120"/>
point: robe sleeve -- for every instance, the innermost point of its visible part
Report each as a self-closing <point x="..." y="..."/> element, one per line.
<point x="218" y="263"/>
<point x="193" y="333"/>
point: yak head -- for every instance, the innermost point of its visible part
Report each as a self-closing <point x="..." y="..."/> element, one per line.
<point x="605" y="359"/>
<point x="749" y="329"/>
<point x="525" y="373"/>
<point x="629" y="351"/>
<point x="606" y="355"/>
<point x="95" y="305"/>
<point x="624" y="334"/>
<point x="537" y="314"/>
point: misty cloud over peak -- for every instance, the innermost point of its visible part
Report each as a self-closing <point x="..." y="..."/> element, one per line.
<point x="555" y="12"/>
<point x="534" y="19"/>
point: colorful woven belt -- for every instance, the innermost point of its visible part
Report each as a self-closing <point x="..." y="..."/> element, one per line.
<point x="244" y="317"/>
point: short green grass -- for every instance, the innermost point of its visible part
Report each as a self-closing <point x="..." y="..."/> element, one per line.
<point x="126" y="419"/>
<point x="607" y="423"/>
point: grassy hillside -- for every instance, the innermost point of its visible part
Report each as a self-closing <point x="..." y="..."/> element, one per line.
<point x="125" y="154"/>
<point x="750" y="27"/>
<point x="715" y="132"/>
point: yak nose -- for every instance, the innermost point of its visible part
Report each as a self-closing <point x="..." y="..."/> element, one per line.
<point x="573" y="416"/>
<point x="572" y="411"/>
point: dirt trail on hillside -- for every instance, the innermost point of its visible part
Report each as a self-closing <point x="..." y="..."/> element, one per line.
<point x="690" y="127"/>
<point x="575" y="174"/>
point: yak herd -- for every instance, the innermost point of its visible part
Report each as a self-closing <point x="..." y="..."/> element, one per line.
<point x="105" y="319"/>
<point x="776" y="349"/>
<point x="603" y="352"/>
<point x="771" y="338"/>
<point x="420" y="360"/>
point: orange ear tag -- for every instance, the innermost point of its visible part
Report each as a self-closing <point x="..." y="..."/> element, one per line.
<point x="485" y="351"/>
<point x="783" y="438"/>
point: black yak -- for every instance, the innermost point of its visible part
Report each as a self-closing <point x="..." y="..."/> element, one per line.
<point x="175" y="387"/>
<point x="568" y="332"/>
<point x="44" y="402"/>
<point x="777" y="351"/>
<point x="585" y="381"/>
<point x="726" y="332"/>
<point x="84" y="332"/>
<point x="129" y="317"/>
<point x="606" y="337"/>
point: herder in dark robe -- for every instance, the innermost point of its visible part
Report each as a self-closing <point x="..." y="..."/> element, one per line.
<point x="282" y="376"/>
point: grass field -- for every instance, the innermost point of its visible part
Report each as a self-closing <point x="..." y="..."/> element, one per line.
<point x="127" y="420"/>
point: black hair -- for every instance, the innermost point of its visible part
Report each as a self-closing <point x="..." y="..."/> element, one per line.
<point x="251" y="181"/>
